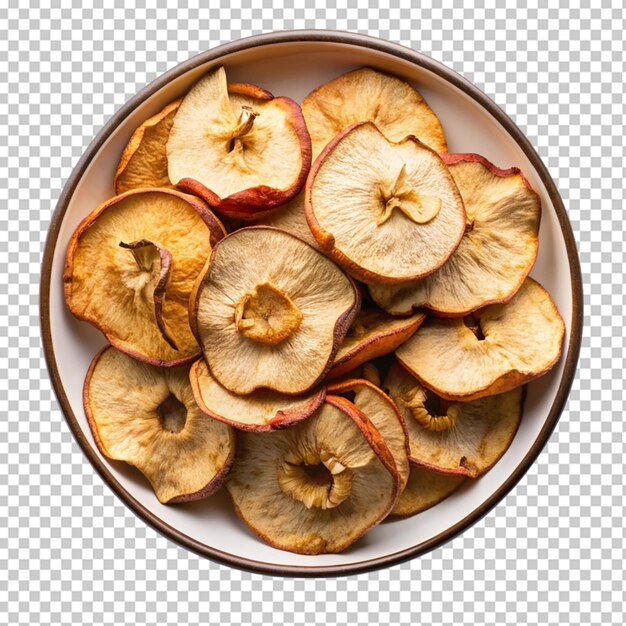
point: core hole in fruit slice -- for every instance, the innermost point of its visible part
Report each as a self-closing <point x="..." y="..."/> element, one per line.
<point x="507" y="346"/>
<point x="270" y="312"/>
<point x="147" y="417"/>
<point x="495" y="254"/>
<point x="347" y="206"/>
<point x="465" y="438"/>
<point x="282" y="494"/>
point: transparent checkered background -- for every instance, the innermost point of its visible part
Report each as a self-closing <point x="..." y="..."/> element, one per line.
<point x="551" y="553"/>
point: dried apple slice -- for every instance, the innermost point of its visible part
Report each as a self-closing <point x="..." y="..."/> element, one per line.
<point x="261" y="410"/>
<point x="269" y="311"/>
<point x="372" y="334"/>
<point x="387" y="212"/>
<point x="147" y="417"/>
<point x="242" y="152"/>
<point x="380" y="409"/>
<point x="130" y="269"/>
<point x="496" y="253"/>
<point x="464" y="438"/>
<point x="291" y="218"/>
<point x="144" y="162"/>
<point x="367" y="95"/>
<point x="497" y="349"/>
<point x="315" y="487"/>
<point x="424" y="490"/>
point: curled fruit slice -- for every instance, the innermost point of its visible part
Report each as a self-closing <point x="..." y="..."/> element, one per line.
<point x="388" y="212"/>
<point x="460" y="438"/>
<point x="367" y="95"/>
<point x="379" y="408"/>
<point x="144" y="161"/>
<point x="258" y="411"/>
<point x="243" y="151"/>
<point x="497" y="349"/>
<point x="130" y="269"/>
<point x="425" y="489"/>
<point x="372" y="334"/>
<point x="147" y="417"/>
<point x="315" y="487"/>
<point x="495" y="254"/>
<point x="270" y="311"/>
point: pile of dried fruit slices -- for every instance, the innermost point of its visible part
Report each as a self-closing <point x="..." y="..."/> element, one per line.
<point x="255" y="349"/>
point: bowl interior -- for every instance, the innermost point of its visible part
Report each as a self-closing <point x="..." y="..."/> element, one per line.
<point x="293" y="69"/>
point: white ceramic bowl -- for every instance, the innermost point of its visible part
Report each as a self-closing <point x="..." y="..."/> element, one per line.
<point x="292" y="63"/>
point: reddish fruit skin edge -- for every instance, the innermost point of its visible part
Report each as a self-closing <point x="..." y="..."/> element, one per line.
<point x="452" y="158"/>
<point x="471" y="157"/>
<point x="341" y="326"/>
<point x="350" y="384"/>
<point x="211" y="487"/>
<point x="374" y="347"/>
<point x="461" y="470"/>
<point x="282" y="419"/>
<point x="216" y="233"/>
<point x="506" y="382"/>
<point x="137" y="137"/>
<point x="256" y="201"/>
<point x="248" y="89"/>
<point x="375" y="441"/>
<point x="466" y="470"/>
<point x="327" y="241"/>
<point x="379" y="71"/>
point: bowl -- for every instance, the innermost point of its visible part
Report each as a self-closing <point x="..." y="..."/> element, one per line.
<point x="292" y="63"/>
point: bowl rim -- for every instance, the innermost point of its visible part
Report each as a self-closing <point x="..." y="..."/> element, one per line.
<point x="416" y="58"/>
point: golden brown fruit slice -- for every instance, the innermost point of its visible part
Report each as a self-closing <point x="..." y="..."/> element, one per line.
<point x="315" y="487"/>
<point x="387" y="212"/>
<point x="367" y="95"/>
<point x="147" y="417"/>
<point x="372" y="334"/>
<point x="496" y="253"/>
<point x="269" y="311"/>
<point x="244" y="152"/>
<point x="380" y="409"/>
<point x="131" y="266"/>
<point x="498" y="348"/>
<point x="464" y="438"/>
<point x="144" y="162"/>
<point x="291" y="218"/>
<point x="424" y="490"/>
<point x="261" y="410"/>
